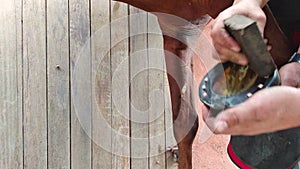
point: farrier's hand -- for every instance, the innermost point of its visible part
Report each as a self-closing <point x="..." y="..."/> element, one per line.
<point x="268" y="110"/>
<point x="226" y="46"/>
<point x="290" y="74"/>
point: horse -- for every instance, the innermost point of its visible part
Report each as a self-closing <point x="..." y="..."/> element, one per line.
<point x="178" y="36"/>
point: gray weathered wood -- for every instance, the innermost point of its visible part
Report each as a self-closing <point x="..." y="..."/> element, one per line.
<point x="156" y="95"/>
<point x="139" y="82"/>
<point x="80" y="103"/>
<point x="59" y="88"/>
<point x="120" y="86"/>
<point x="11" y="152"/>
<point x="34" y="78"/>
<point x="101" y="84"/>
<point x="58" y="85"/>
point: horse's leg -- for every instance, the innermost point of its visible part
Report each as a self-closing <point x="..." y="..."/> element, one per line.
<point x="179" y="65"/>
<point x="179" y="69"/>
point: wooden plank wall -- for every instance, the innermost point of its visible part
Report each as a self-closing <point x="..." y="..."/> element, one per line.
<point x="70" y="95"/>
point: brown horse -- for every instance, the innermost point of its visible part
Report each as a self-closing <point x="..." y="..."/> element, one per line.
<point x="178" y="35"/>
<point x="183" y="108"/>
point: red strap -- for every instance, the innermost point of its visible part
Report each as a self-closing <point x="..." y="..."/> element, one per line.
<point x="236" y="159"/>
<point x="295" y="163"/>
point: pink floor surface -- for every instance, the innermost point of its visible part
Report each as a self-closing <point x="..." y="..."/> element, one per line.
<point x="209" y="150"/>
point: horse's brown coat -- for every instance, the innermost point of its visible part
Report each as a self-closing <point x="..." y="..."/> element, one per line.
<point x="178" y="38"/>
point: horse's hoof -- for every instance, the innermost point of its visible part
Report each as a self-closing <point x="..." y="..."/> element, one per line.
<point x="175" y="153"/>
<point x="175" y="156"/>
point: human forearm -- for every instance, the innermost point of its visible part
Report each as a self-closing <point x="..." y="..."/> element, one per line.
<point x="292" y="110"/>
<point x="256" y="116"/>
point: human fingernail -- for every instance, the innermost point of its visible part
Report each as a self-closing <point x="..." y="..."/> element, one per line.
<point x="242" y="62"/>
<point x="235" y="48"/>
<point x="221" y="126"/>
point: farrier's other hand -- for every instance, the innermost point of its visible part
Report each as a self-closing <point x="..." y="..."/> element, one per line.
<point x="268" y="110"/>
<point x="290" y="74"/>
<point x="225" y="45"/>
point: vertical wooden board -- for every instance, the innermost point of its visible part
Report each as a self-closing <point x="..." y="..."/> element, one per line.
<point x="58" y="84"/>
<point x="101" y="84"/>
<point x="139" y="89"/>
<point x="34" y="78"/>
<point x="11" y="155"/>
<point x="156" y="95"/>
<point x="120" y="86"/>
<point x="80" y="60"/>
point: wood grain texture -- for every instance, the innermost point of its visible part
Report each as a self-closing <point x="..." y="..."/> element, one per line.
<point x="78" y="92"/>
<point x="34" y="78"/>
<point x="58" y="85"/>
<point x="156" y="95"/>
<point x="80" y="59"/>
<point x="101" y="84"/>
<point x="139" y="89"/>
<point x="11" y="152"/>
<point x="120" y="85"/>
